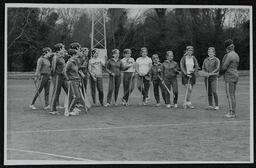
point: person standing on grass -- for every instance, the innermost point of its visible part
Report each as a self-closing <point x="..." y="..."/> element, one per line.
<point x="84" y="67"/>
<point x="113" y="67"/>
<point x="189" y="66"/>
<point x="143" y="66"/>
<point x="73" y="78"/>
<point x="211" y="65"/>
<point x="95" y="69"/>
<point x="58" y="77"/>
<point x="170" y="69"/>
<point x="128" y="64"/>
<point x="43" y="71"/>
<point x="230" y="63"/>
<point x="155" y="73"/>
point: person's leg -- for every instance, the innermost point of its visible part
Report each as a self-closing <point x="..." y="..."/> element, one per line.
<point x="46" y="91"/>
<point x="140" y="86"/>
<point x="117" y="86"/>
<point x="132" y="83"/>
<point x="93" y="89"/>
<point x="162" y="88"/>
<point x="232" y="90"/>
<point x="214" y="91"/>
<point x="56" y="93"/>
<point x="146" y="87"/>
<point x="39" y="88"/>
<point x="156" y="90"/>
<point x="64" y="84"/>
<point x="84" y="80"/>
<point x="174" y="84"/>
<point x="126" y="86"/>
<point x="210" y="91"/>
<point x="110" y="89"/>
<point x="75" y="95"/>
<point x="227" y="87"/>
<point x="167" y="94"/>
<point x="100" y="89"/>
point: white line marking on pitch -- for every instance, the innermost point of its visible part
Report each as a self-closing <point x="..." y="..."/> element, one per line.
<point x="49" y="154"/>
<point x="128" y="127"/>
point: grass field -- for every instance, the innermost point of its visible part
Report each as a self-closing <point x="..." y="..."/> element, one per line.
<point x="133" y="133"/>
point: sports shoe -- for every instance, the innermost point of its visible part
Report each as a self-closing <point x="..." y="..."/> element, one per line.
<point x="210" y="108"/>
<point x="229" y="115"/>
<point x="66" y="114"/>
<point x="77" y="109"/>
<point x="168" y="106"/>
<point x="216" y="108"/>
<point x="147" y="99"/>
<point x="73" y="113"/>
<point x="158" y="104"/>
<point x="79" y="105"/>
<point x="107" y="105"/>
<point x="32" y="107"/>
<point x="124" y="102"/>
<point x="60" y="107"/>
<point x="185" y="106"/>
<point x="47" y="107"/>
<point x="54" y="112"/>
<point x="190" y="106"/>
<point x="116" y="104"/>
<point x="144" y="103"/>
<point x="175" y="105"/>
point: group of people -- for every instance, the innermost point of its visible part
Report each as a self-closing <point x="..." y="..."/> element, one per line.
<point x="71" y="70"/>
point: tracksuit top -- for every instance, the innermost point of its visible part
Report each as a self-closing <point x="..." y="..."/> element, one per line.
<point x="144" y="65"/>
<point x="183" y="66"/>
<point x="114" y="66"/>
<point x="126" y="62"/>
<point x="156" y="71"/>
<point x="71" y="70"/>
<point x="43" y="66"/>
<point x="95" y="66"/>
<point x="211" y="65"/>
<point x="169" y="69"/>
<point x="229" y="66"/>
<point x="58" y="64"/>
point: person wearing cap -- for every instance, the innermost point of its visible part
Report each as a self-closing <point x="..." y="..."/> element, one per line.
<point x="73" y="78"/>
<point x="229" y="69"/>
<point x="58" y="78"/>
<point x="188" y="66"/>
<point x="113" y="68"/>
<point x="128" y="64"/>
<point x="155" y="73"/>
<point x="170" y="69"/>
<point x="95" y="69"/>
<point x="43" y="75"/>
<point x="211" y="65"/>
<point x="143" y="66"/>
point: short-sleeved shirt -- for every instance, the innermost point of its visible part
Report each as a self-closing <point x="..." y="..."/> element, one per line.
<point x="128" y="61"/>
<point x="144" y="65"/>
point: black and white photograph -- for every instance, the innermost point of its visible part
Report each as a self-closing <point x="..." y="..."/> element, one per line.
<point x="128" y="83"/>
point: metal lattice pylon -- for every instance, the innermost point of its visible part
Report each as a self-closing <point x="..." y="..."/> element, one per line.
<point x="98" y="36"/>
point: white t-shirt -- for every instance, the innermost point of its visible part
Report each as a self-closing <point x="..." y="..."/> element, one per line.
<point x="144" y="65"/>
<point x="128" y="61"/>
<point x="189" y="64"/>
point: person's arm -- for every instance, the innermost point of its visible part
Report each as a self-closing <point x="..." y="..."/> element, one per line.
<point x="90" y="69"/>
<point x="217" y="69"/>
<point x="182" y="66"/>
<point x="54" y="62"/>
<point x="226" y="63"/>
<point x="38" y="67"/>
<point x="203" y="66"/>
<point x="196" y="66"/>
<point x="66" y="69"/>
<point x="137" y="67"/>
<point x="107" y="68"/>
<point x="177" y="68"/>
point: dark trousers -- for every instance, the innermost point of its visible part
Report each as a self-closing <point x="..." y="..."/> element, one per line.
<point x="128" y="84"/>
<point x="99" y="84"/>
<point x="143" y="85"/>
<point x="74" y="94"/>
<point x="156" y="85"/>
<point x="44" y="83"/>
<point x="58" y="83"/>
<point x="231" y="96"/>
<point x="212" y="90"/>
<point x="84" y="82"/>
<point x="114" y="85"/>
<point x="171" y="83"/>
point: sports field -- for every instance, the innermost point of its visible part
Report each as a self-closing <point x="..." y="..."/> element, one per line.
<point x="133" y="133"/>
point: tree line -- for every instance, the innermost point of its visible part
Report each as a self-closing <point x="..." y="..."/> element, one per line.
<point x="159" y="29"/>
